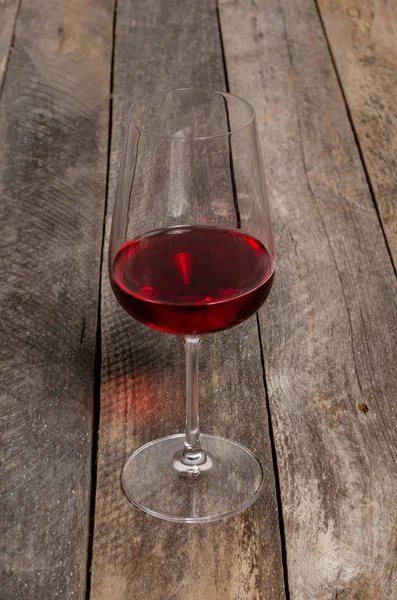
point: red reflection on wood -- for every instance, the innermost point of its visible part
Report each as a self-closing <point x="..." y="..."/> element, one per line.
<point x="140" y="398"/>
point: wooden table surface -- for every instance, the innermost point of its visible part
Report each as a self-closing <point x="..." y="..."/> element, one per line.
<point x="310" y="385"/>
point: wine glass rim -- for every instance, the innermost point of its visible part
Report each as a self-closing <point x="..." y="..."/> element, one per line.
<point x="191" y="89"/>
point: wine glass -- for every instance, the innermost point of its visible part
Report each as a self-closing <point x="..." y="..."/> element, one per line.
<point x="191" y="253"/>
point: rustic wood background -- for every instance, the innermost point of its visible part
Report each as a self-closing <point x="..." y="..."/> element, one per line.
<point x="310" y="385"/>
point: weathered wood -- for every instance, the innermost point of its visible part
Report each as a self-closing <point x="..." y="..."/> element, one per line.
<point x="135" y="556"/>
<point x="8" y="16"/>
<point x="330" y="327"/>
<point x="363" y="40"/>
<point x="53" y="149"/>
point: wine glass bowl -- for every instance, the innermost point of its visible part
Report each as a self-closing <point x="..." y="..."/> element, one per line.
<point x="191" y="253"/>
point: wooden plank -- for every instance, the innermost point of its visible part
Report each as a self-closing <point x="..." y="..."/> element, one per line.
<point x="362" y="38"/>
<point x="53" y="152"/>
<point x="329" y="330"/>
<point x="142" y="396"/>
<point x="8" y="16"/>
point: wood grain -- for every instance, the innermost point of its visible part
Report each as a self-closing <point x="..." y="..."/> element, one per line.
<point x="362" y="37"/>
<point x="8" y="15"/>
<point x="136" y="556"/>
<point x="53" y="131"/>
<point x="329" y="330"/>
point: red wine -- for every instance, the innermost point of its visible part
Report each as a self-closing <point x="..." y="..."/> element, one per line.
<point x="192" y="280"/>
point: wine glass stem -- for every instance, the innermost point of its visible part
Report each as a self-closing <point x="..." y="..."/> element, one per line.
<point x="192" y="453"/>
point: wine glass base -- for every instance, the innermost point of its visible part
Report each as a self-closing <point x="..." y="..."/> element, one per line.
<point x="225" y="485"/>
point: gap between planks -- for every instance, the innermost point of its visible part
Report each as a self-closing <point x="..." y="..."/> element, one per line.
<point x="7" y="60"/>
<point x="98" y="345"/>
<point x="284" y="556"/>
